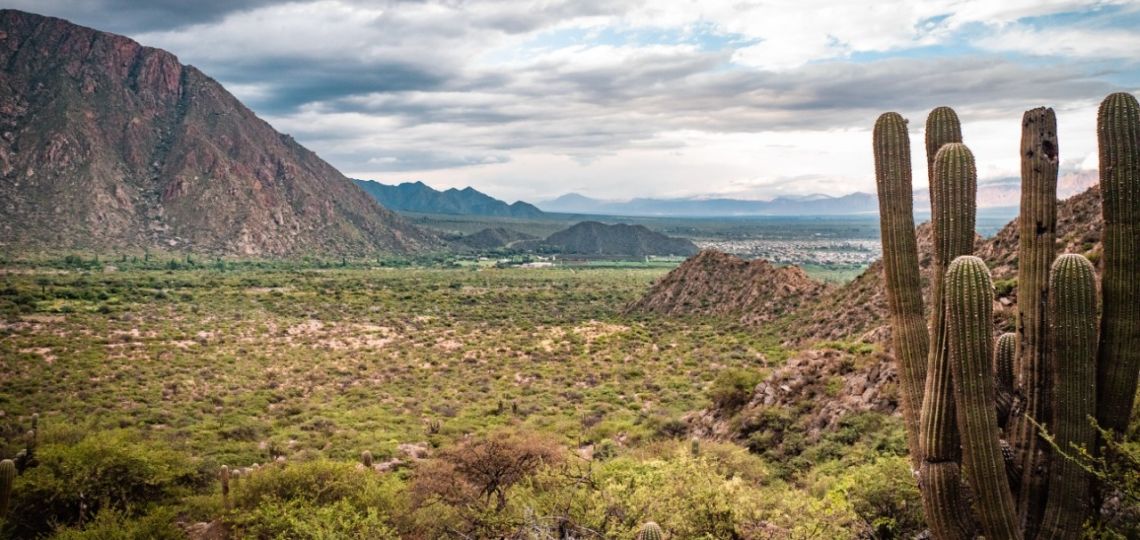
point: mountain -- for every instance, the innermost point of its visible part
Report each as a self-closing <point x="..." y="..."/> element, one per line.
<point x="494" y="238"/>
<point x="105" y="143"/>
<point x="593" y="238"/>
<point x="419" y="197"/>
<point x="854" y="203"/>
<point x="716" y="283"/>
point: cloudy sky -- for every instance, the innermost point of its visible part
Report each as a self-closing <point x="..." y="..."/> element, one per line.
<point x="623" y="98"/>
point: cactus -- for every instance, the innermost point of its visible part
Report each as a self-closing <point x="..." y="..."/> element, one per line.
<point x="942" y="127"/>
<point x="695" y="447"/>
<point x="224" y="476"/>
<point x="1118" y="361"/>
<point x="969" y="313"/>
<point x="1004" y="353"/>
<point x="900" y="266"/>
<point x="1037" y="226"/>
<point x="1072" y="310"/>
<point x="1019" y="490"/>
<point x="366" y="459"/>
<point x="7" y="478"/>
<point x="650" y="531"/>
<point x="953" y="190"/>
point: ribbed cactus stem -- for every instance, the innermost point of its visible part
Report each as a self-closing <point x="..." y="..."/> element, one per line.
<point x="7" y="478"/>
<point x="1004" y="353"/>
<point x="1118" y="136"/>
<point x="1072" y="311"/>
<point x="900" y="267"/>
<point x="650" y="531"/>
<point x="969" y="312"/>
<point x="953" y="191"/>
<point x="1037" y="233"/>
<point x="942" y="127"/>
<point x="366" y="459"/>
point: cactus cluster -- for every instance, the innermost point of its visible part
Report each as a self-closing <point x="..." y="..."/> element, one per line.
<point x="974" y="408"/>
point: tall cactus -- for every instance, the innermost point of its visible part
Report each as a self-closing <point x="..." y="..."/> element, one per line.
<point x="1037" y="226"/>
<point x="969" y="313"/>
<point x="7" y="478"/>
<point x="1052" y="370"/>
<point x="900" y="266"/>
<point x="1072" y="311"/>
<point x="1118" y="361"/>
<point x="953" y="190"/>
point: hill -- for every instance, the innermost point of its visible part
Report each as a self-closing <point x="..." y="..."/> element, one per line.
<point x="858" y="310"/>
<point x="716" y="283"/>
<point x="494" y="238"/>
<point x="419" y="197"/>
<point x="594" y="238"/>
<point x="109" y="144"/>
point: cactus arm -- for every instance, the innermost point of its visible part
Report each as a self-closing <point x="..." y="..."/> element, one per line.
<point x="1037" y="232"/>
<point x="969" y="311"/>
<point x="1118" y="135"/>
<point x="953" y="191"/>
<point x="1072" y="313"/>
<point x="1004" y="354"/>
<point x="900" y="267"/>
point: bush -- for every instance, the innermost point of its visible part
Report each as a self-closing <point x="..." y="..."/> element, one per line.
<point x="112" y="524"/>
<point x="884" y="495"/>
<point x="732" y="388"/>
<point x="108" y="472"/>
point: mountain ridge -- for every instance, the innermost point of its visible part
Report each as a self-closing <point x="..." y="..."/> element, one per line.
<point x="109" y="144"/>
<point x="420" y="197"/>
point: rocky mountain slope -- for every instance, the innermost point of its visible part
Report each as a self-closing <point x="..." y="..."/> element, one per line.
<point x="716" y="283"/>
<point x="593" y="238"/>
<point x="105" y="143"/>
<point x="419" y="197"/>
<point x="858" y="310"/>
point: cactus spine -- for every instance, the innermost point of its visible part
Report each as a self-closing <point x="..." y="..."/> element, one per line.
<point x="1072" y="313"/>
<point x="969" y="313"/>
<point x="953" y="190"/>
<point x="1118" y="135"/>
<point x="7" y="478"/>
<point x="900" y="266"/>
<point x="649" y="531"/>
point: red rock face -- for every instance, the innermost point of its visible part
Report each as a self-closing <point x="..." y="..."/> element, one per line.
<point x="105" y="143"/>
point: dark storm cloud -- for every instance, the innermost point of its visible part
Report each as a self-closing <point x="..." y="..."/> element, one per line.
<point x="131" y="16"/>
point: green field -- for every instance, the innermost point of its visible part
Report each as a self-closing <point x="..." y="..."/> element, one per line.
<point x="147" y="381"/>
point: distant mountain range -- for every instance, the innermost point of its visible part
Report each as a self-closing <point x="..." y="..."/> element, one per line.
<point x="419" y="197"/>
<point x="854" y="203"/>
<point x="108" y="144"/>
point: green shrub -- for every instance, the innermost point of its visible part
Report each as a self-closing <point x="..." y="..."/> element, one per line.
<point x="884" y="494"/>
<point x="732" y="388"/>
<point x="111" y="524"/>
<point x="108" y="470"/>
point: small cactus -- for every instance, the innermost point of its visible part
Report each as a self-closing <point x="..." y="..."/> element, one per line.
<point x="366" y="459"/>
<point x="695" y="447"/>
<point x="1004" y="353"/>
<point x="650" y="531"/>
<point x="224" y="476"/>
<point x="7" y="478"/>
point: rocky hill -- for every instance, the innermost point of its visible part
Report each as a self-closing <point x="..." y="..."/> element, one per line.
<point x="419" y="197"/>
<point x="493" y="238"/>
<point x="593" y="238"/>
<point x="858" y="310"/>
<point x="105" y="143"/>
<point x="716" y="283"/>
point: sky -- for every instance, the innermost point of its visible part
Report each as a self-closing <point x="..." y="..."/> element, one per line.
<point x="616" y="99"/>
